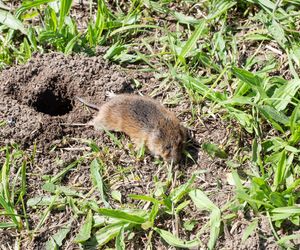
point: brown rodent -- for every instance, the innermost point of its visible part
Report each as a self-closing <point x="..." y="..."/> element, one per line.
<point x="145" y="121"/>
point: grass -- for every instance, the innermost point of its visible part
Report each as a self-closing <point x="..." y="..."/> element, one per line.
<point x="239" y="59"/>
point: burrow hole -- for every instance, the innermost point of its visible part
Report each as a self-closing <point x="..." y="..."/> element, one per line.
<point x="51" y="103"/>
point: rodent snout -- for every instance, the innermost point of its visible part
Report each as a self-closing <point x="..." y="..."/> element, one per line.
<point x="174" y="156"/>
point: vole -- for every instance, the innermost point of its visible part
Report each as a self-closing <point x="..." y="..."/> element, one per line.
<point x="145" y="121"/>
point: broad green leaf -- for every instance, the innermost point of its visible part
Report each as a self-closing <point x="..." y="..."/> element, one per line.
<point x="285" y="93"/>
<point x="153" y="213"/>
<point x="114" y="50"/>
<point x="243" y="118"/>
<point x="215" y="224"/>
<point x="182" y="18"/>
<point x="182" y="205"/>
<point x="272" y="114"/>
<point x="203" y="202"/>
<point x="208" y="61"/>
<point x="249" y="230"/>
<point x="189" y="224"/>
<point x="116" y="195"/>
<point x="97" y="180"/>
<point x="213" y="150"/>
<point x="119" y="214"/>
<point x="11" y="21"/>
<point x="287" y="210"/>
<point x="277" y="33"/>
<point x="253" y="202"/>
<point x="58" y="237"/>
<point x="51" y="245"/>
<point x="174" y="241"/>
<point x="237" y="181"/>
<point x="85" y="230"/>
<point x="43" y="201"/>
<point x="107" y="233"/>
<point x="277" y="199"/>
<point x="252" y="80"/>
<point x="238" y="100"/>
<point x="177" y="194"/>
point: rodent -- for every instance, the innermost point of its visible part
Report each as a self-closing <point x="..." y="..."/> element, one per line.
<point x="145" y="121"/>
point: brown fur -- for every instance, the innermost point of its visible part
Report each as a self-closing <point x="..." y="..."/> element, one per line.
<point x="145" y="121"/>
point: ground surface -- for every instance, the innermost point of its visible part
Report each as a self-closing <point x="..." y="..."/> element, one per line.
<point x="38" y="105"/>
<point x="229" y="70"/>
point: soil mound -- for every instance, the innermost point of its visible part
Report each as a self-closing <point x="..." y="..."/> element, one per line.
<point x="37" y="99"/>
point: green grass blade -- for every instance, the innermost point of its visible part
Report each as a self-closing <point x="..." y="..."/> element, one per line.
<point x="285" y="239"/>
<point x="249" y="230"/>
<point x="280" y="169"/>
<point x="119" y="214"/>
<point x="295" y="126"/>
<point x="191" y="42"/>
<point x="45" y="214"/>
<point x="219" y="8"/>
<point x="9" y="210"/>
<point x="65" y="7"/>
<point x="7" y="225"/>
<point x="85" y="230"/>
<point x="97" y="180"/>
<point x="133" y="26"/>
<point x="253" y="81"/>
<point x="31" y="4"/>
<point x="70" y="45"/>
<point x="143" y="198"/>
<point x="120" y="244"/>
<point x="174" y="241"/>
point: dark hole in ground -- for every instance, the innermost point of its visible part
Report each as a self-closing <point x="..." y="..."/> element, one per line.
<point x="52" y="104"/>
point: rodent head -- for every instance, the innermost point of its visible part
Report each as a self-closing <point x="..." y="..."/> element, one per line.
<point x="168" y="143"/>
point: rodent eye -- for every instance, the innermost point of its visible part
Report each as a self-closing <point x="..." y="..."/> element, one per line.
<point x="168" y="147"/>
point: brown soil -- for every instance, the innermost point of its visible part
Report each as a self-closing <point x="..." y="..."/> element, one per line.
<point x="37" y="104"/>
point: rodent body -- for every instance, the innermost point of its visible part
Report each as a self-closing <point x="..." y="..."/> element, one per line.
<point x="145" y="121"/>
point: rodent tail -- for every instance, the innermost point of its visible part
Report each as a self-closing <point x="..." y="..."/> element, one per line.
<point x="93" y="106"/>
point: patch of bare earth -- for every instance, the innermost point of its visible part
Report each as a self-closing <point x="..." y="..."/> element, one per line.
<point x="38" y="105"/>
